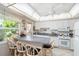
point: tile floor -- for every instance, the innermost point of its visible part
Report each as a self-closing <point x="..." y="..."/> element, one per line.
<point x="62" y="52"/>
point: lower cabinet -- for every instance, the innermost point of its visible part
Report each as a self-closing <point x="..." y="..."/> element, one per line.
<point x="4" y="48"/>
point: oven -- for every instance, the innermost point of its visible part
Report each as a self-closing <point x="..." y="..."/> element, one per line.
<point x="65" y="43"/>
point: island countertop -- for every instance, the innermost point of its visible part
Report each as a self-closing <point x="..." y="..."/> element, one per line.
<point x="35" y="40"/>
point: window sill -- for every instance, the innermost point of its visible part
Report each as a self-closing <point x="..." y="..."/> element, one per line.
<point x="3" y="42"/>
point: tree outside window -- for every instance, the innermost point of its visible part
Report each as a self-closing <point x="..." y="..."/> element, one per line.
<point x="7" y="28"/>
<point x="10" y="27"/>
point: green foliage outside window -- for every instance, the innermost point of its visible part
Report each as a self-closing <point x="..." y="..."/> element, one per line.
<point x="2" y="33"/>
<point x="9" y="24"/>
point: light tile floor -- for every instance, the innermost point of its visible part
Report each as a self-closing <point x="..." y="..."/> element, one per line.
<point x="62" y="52"/>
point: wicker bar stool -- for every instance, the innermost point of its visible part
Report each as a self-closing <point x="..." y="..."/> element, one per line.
<point x="47" y="49"/>
<point x="20" y="50"/>
<point x="12" y="46"/>
<point x="33" y="51"/>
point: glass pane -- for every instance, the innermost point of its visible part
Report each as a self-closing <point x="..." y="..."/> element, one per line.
<point x="35" y="15"/>
<point x="9" y="27"/>
<point x="9" y="23"/>
<point x="24" y="8"/>
<point x="28" y="28"/>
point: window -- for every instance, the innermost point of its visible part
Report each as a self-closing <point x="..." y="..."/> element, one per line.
<point x="8" y="27"/>
<point x="29" y="27"/>
<point x="1" y="30"/>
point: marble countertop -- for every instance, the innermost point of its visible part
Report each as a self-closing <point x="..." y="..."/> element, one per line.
<point x="36" y="38"/>
<point x="42" y="36"/>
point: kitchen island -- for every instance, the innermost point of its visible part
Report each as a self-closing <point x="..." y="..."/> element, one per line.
<point x="40" y="42"/>
<point x="36" y="39"/>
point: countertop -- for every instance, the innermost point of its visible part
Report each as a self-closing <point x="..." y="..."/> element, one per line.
<point x="35" y="38"/>
<point x="36" y="41"/>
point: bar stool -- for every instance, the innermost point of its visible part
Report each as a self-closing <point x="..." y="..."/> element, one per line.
<point x="52" y="44"/>
<point x="33" y="51"/>
<point x="11" y="46"/>
<point x="20" y="50"/>
<point x="47" y="50"/>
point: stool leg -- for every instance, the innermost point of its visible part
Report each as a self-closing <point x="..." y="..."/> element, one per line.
<point x="24" y="54"/>
<point x="15" y="53"/>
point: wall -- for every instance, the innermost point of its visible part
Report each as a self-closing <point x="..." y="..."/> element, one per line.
<point x="4" y="51"/>
<point x="56" y="24"/>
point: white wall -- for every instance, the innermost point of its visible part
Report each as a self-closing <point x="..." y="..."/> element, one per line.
<point x="56" y="24"/>
<point x="4" y="51"/>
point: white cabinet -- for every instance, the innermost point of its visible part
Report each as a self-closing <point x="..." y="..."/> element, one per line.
<point x="57" y="42"/>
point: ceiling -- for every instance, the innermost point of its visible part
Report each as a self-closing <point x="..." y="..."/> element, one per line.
<point x="46" y="11"/>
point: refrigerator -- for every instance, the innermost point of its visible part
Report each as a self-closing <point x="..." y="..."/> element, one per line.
<point x="76" y="39"/>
